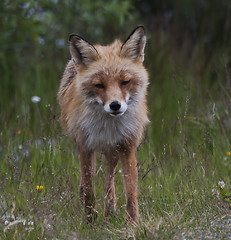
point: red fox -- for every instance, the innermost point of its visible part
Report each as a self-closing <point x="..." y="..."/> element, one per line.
<point x="102" y="96"/>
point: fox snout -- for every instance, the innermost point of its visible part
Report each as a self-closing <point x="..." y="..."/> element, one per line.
<point x="116" y="108"/>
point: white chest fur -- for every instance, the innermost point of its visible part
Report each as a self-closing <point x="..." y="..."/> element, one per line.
<point x="100" y="130"/>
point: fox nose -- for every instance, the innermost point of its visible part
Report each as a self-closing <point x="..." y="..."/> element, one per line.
<point x="115" y="106"/>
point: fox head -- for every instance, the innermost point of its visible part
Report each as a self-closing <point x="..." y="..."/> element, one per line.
<point x="111" y="77"/>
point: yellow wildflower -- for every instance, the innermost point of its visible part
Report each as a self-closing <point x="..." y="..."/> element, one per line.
<point x="228" y="154"/>
<point x="39" y="188"/>
<point x="19" y="131"/>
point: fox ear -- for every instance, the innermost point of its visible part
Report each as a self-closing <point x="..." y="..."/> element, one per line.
<point x="82" y="51"/>
<point x="133" y="47"/>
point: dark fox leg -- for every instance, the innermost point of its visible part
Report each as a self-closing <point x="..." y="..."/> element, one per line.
<point x="110" y="196"/>
<point x="130" y="177"/>
<point x="87" y="171"/>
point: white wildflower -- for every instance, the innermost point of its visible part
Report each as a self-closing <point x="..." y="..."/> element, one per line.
<point x="221" y="184"/>
<point x="35" y="99"/>
<point x="20" y="147"/>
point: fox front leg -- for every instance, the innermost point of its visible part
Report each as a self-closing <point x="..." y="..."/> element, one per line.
<point x="130" y="178"/>
<point x="110" y="196"/>
<point x="87" y="170"/>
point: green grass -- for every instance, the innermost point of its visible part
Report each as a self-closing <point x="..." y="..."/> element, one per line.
<point x="182" y="158"/>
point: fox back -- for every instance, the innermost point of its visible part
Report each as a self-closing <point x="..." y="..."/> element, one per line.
<point x="103" y="92"/>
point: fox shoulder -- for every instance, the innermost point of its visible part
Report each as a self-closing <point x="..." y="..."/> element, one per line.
<point x="67" y="79"/>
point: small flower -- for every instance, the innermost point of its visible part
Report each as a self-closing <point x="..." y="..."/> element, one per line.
<point x="39" y="188"/>
<point x="35" y="99"/>
<point x="221" y="184"/>
<point x="20" y="147"/>
<point x="228" y="154"/>
<point x="19" y="131"/>
<point x="30" y="223"/>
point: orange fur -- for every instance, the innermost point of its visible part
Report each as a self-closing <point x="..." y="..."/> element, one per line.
<point x="103" y="108"/>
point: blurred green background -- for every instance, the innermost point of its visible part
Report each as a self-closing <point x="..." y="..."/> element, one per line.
<point x="192" y="34"/>
<point x="187" y="54"/>
<point x="184" y="151"/>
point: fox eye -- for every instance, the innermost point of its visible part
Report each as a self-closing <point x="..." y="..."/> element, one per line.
<point x="125" y="82"/>
<point x="99" y="85"/>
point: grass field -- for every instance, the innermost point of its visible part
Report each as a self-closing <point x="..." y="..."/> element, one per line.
<point x="182" y="160"/>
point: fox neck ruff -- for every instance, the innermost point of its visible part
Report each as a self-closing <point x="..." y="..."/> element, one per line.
<point x="95" y="129"/>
